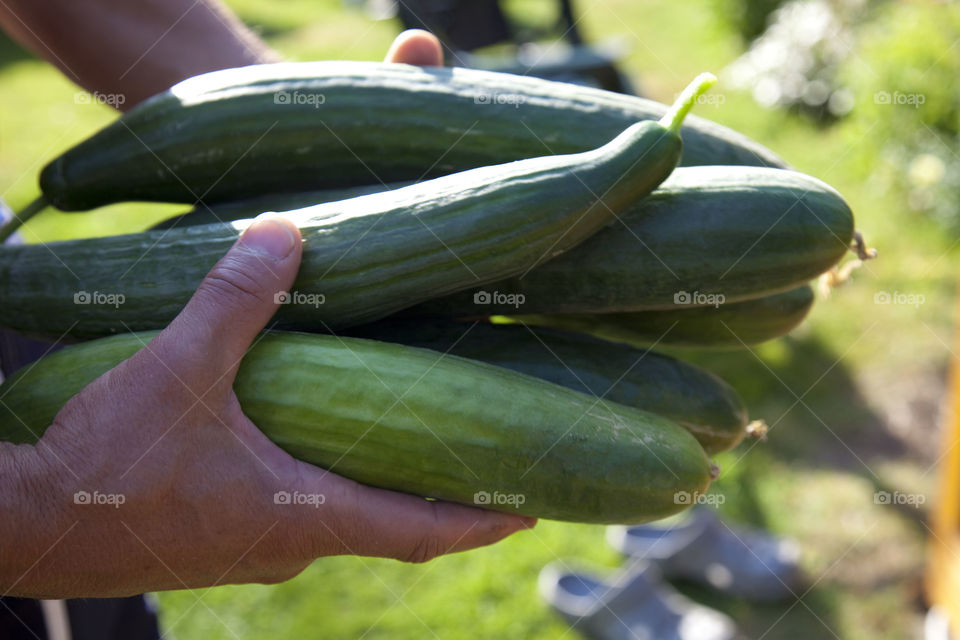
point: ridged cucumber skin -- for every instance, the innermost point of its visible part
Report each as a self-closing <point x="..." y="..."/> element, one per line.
<point x="410" y="420"/>
<point x="231" y="134"/>
<point x="367" y="257"/>
<point x="742" y="232"/>
<point x="738" y="195"/>
<point x="229" y="211"/>
<point x="693" y="398"/>
<point x="727" y="326"/>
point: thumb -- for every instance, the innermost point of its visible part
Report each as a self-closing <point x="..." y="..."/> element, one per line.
<point x="416" y="46"/>
<point x="236" y="299"/>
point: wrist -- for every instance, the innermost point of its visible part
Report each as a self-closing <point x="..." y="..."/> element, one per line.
<point x="29" y="493"/>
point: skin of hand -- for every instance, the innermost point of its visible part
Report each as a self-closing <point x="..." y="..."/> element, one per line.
<point x="182" y="488"/>
<point x="418" y="47"/>
<point x="187" y="484"/>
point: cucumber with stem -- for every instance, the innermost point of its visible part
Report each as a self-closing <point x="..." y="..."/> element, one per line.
<point x="710" y="200"/>
<point x="363" y="258"/>
<point x="266" y="129"/>
<point x="735" y="232"/>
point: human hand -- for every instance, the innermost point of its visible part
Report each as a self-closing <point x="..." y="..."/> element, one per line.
<point x="186" y="482"/>
<point x="416" y="46"/>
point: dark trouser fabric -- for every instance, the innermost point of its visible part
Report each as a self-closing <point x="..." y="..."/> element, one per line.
<point x="90" y="619"/>
<point x="21" y="619"/>
<point x="112" y="619"/>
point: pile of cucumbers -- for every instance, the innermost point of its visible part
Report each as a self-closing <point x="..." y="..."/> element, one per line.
<point x="488" y="259"/>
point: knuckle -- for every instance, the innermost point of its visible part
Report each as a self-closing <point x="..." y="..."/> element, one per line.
<point x="233" y="283"/>
<point x="429" y="545"/>
<point x="298" y="537"/>
<point x="278" y="576"/>
<point x="427" y="548"/>
<point x="332" y="528"/>
<point x="346" y="531"/>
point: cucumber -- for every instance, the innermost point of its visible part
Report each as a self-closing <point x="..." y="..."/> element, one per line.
<point x="739" y="232"/>
<point x="363" y="258"/>
<point x="731" y="325"/>
<point x="460" y="428"/>
<point x="715" y="203"/>
<point x="695" y="399"/>
<point x="312" y="125"/>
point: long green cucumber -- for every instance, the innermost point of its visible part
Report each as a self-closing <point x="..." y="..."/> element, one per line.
<point x="412" y="420"/>
<point x="739" y="232"/>
<point x="732" y="325"/>
<point x="363" y="258"/>
<point x="697" y="400"/>
<point x="299" y="126"/>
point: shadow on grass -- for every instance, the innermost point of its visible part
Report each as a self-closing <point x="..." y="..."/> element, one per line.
<point x="819" y="421"/>
<point x="811" y="617"/>
<point x="818" y="418"/>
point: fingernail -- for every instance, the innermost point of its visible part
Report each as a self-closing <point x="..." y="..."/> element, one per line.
<point x="528" y="522"/>
<point x="268" y="236"/>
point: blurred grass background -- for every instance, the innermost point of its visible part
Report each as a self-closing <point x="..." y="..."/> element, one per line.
<point x="853" y="397"/>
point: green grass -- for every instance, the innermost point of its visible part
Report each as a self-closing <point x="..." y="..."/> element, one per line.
<point x="867" y="376"/>
<point x="476" y="595"/>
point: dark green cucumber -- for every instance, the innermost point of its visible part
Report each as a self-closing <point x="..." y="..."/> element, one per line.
<point x="695" y="399"/>
<point x="736" y="324"/>
<point x="740" y="232"/>
<point x="363" y="258"/>
<point x="312" y="125"/>
<point x="463" y="428"/>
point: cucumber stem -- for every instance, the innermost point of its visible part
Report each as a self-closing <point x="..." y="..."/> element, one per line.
<point x="758" y="429"/>
<point x="673" y="119"/>
<point x="858" y="246"/>
<point x="18" y="219"/>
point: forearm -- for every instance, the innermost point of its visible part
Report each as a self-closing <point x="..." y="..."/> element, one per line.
<point x="133" y="49"/>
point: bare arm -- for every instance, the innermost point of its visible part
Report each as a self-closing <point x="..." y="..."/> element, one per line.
<point x="133" y="49"/>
